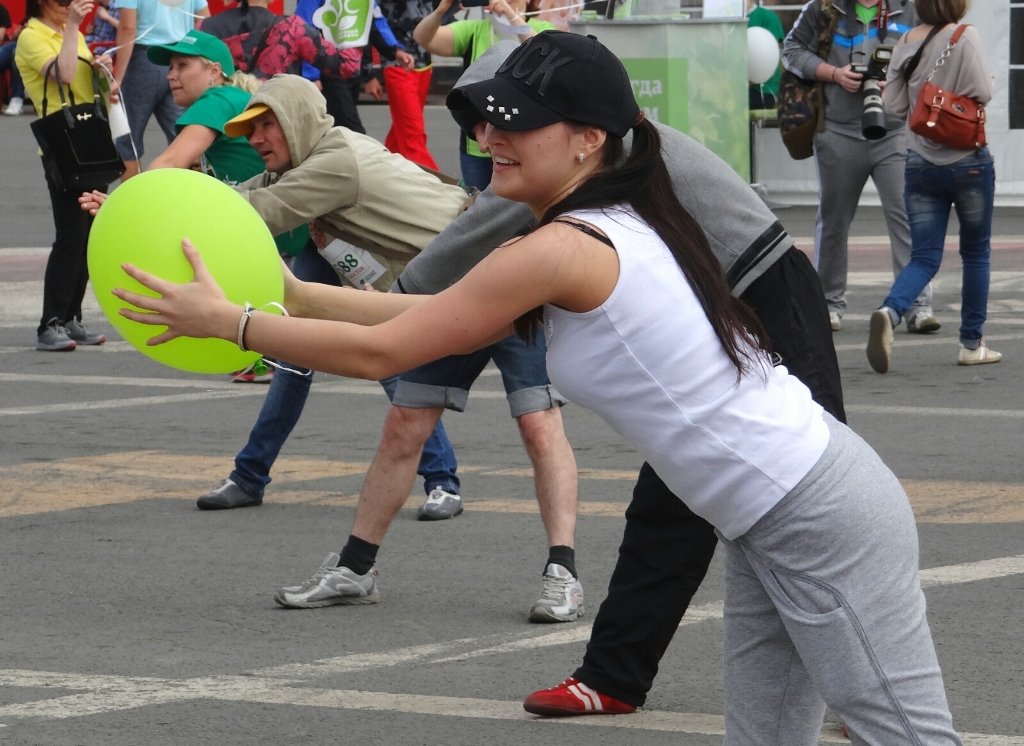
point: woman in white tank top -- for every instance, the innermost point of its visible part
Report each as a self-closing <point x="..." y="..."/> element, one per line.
<point x="823" y="601"/>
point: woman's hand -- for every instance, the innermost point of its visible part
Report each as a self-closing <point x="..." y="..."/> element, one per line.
<point x="78" y="10"/>
<point x="90" y="202"/>
<point x="503" y="8"/>
<point x="196" y="309"/>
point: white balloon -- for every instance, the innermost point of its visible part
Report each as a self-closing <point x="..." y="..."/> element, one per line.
<point x="762" y="55"/>
<point x="172" y="3"/>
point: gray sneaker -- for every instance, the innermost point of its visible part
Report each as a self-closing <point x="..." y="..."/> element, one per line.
<point x="562" y="597"/>
<point x="227" y="495"/>
<point x="330" y="585"/>
<point x="82" y="336"/>
<point x="440" y="506"/>
<point x="54" y="338"/>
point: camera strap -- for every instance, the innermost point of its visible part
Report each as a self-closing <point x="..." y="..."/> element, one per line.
<point x="883" y="20"/>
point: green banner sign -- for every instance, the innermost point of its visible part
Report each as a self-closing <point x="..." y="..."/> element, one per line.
<point x="345" y="22"/>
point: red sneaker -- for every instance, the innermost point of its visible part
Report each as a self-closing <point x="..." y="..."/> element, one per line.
<point x="573" y="697"/>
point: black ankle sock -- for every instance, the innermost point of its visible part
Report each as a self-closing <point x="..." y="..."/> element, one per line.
<point x="564" y="556"/>
<point x="358" y="555"/>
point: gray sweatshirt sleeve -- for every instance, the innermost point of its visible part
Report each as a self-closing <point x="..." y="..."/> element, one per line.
<point x="488" y="223"/>
<point x="800" y="48"/>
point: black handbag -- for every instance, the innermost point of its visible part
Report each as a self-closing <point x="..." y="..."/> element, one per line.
<point x="78" y="153"/>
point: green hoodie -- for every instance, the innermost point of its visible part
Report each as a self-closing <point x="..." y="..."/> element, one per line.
<point x="360" y="191"/>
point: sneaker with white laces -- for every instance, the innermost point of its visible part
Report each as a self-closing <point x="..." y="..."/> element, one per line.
<point x="227" y="495"/>
<point x="980" y="356"/>
<point x="880" y="340"/>
<point x="330" y="586"/>
<point x="439" y="506"/>
<point x="573" y="697"/>
<point x="82" y="336"/>
<point x="835" y="320"/>
<point x="14" y="107"/>
<point x="55" y="338"/>
<point x="561" y="600"/>
<point x="923" y="322"/>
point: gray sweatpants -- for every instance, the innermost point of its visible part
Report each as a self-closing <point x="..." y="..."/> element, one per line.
<point x="823" y="604"/>
<point x="844" y="164"/>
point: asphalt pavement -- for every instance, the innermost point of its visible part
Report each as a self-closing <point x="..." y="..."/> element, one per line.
<point x="127" y="616"/>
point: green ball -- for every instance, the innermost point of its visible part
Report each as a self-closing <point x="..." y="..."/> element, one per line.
<point x="143" y="222"/>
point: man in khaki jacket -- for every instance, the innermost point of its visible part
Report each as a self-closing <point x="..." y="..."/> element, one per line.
<point x="349" y="184"/>
<point x="383" y="210"/>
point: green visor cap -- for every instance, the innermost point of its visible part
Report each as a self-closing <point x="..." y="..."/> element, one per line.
<point x="195" y="44"/>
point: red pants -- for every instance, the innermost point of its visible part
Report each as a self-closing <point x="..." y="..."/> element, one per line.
<point x="407" y="95"/>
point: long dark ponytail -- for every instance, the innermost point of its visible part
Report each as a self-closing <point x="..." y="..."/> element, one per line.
<point x="641" y="180"/>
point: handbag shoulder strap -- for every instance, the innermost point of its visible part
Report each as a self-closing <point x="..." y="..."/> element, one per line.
<point x="261" y="45"/>
<point x="827" y="32"/>
<point x="948" y="50"/>
<point x="913" y="62"/>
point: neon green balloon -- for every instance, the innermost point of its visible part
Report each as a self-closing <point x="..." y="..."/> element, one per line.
<point x="143" y="222"/>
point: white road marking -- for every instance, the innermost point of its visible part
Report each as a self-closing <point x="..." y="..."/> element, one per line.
<point x="112" y="694"/>
<point x="104" y="693"/>
<point x="216" y="389"/>
<point x="1012" y="414"/>
<point x="972" y="571"/>
<point x="900" y="343"/>
<point x="884" y="240"/>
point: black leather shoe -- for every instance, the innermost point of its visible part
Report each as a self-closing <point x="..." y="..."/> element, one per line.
<point x="227" y="495"/>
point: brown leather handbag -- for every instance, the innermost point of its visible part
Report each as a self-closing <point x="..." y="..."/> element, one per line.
<point x="946" y="117"/>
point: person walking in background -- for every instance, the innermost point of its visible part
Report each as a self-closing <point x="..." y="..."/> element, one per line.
<point x="939" y="177"/>
<point x="52" y="35"/>
<point x="470" y="39"/>
<point x="143" y="84"/>
<point x="407" y="88"/>
<point x="843" y="157"/>
<point x="763" y="96"/>
<point x="8" y="48"/>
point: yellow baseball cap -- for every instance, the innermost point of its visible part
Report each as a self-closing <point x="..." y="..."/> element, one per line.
<point x="242" y="125"/>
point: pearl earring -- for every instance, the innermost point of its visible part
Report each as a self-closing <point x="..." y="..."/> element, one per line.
<point x="580" y="158"/>
<point x="209" y="82"/>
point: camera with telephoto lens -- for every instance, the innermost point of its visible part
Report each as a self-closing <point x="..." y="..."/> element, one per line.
<point x="872" y="123"/>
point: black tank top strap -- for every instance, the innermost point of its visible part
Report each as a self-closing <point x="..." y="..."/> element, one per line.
<point x="586" y="229"/>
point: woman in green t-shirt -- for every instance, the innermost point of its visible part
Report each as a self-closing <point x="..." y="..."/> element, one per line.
<point x="204" y="81"/>
<point x="470" y="39"/>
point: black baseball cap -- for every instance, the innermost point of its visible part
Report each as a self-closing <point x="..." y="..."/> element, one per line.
<point x="551" y="77"/>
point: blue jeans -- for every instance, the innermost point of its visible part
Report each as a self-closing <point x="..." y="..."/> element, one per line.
<point x="930" y="191"/>
<point x="7" y="63"/>
<point x="476" y="171"/>
<point x="287" y="397"/>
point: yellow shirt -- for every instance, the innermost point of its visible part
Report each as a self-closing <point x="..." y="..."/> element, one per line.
<point x="37" y="45"/>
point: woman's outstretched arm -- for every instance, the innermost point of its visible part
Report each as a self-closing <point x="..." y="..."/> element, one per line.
<point x="547" y="266"/>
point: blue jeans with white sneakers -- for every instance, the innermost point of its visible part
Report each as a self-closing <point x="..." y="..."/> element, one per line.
<point x="968" y="186"/>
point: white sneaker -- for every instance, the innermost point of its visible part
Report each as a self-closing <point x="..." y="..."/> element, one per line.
<point x="880" y="340"/>
<point x="562" y="597"/>
<point x="835" y="320"/>
<point x="923" y="323"/>
<point x="439" y="506"/>
<point x="15" y="107"/>
<point x="979" y="356"/>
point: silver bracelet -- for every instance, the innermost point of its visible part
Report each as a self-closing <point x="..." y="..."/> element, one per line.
<point x="242" y="323"/>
